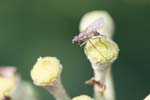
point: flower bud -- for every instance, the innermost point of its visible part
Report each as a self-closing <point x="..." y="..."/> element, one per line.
<point x="46" y="71"/>
<point x="148" y="97"/>
<point x="82" y="97"/>
<point x="7" y="86"/>
<point x="101" y="50"/>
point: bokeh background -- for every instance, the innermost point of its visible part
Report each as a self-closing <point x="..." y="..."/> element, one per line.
<point x="33" y="28"/>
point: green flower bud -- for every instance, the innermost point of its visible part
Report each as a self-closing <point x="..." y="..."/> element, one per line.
<point x="101" y="50"/>
<point x="46" y="71"/>
<point x="7" y="86"/>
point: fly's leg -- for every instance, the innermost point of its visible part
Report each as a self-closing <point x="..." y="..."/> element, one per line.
<point x="99" y="37"/>
<point x="96" y="48"/>
<point x="82" y="44"/>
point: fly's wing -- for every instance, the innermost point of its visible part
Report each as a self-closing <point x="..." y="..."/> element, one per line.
<point x="96" y="25"/>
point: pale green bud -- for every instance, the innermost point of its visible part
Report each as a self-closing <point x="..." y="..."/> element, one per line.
<point x="82" y="97"/>
<point x="7" y="86"/>
<point x="101" y="50"/>
<point x="46" y="71"/>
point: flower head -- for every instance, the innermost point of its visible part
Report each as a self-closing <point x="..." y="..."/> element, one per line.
<point x="46" y="71"/>
<point x="82" y="97"/>
<point x="101" y="50"/>
<point x="7" y="86"/>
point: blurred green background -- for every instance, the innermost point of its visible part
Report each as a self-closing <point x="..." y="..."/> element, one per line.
<point x="33" y="28"/>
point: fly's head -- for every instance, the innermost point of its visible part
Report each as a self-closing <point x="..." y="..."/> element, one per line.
<point x="76" y="40"/>
<point x="79" y="39"/>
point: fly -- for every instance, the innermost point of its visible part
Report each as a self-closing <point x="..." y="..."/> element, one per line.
<point x="91" y="32"/>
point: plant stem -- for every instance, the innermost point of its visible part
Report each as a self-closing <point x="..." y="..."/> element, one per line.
<point x="58" y="91"/>
<point x="109" y="92"/>
<point x="102" y="74"/>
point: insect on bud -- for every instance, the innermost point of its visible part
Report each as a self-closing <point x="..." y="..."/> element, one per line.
<point x="90" y="17"/>
<point x="46" y="71"/>
<point x="101" y="50"/>
<point x="82" y="97"/>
